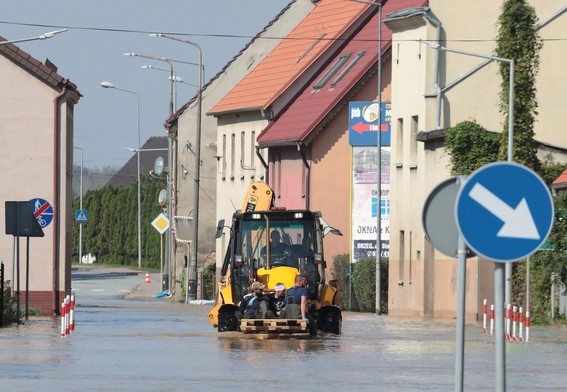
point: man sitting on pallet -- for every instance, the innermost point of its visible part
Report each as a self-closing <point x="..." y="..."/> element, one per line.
<point x="254" y="305"/>
<point x="296" y="304"/>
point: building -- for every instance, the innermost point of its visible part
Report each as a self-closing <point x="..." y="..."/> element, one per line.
<point x="183" y="125"/>
<point x="36" y="128"/>
<point x="433" y="91"/>
<point x="299" y="113"/>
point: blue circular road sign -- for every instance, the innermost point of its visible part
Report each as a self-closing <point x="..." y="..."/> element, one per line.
<point x="504" y="211"/>
<point x="42" y="210"/>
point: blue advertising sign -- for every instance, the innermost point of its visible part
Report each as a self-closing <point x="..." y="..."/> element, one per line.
<point x="363" y="124"/>
<point x="42" y="210"/>
<point x="504" y="211"/>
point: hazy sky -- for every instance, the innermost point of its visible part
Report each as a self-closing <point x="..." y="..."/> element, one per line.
<point x="100" y="31"/>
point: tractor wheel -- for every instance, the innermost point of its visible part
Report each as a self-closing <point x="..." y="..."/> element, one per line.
<point x="330" y="319"/>
<point x="227" y="321"/>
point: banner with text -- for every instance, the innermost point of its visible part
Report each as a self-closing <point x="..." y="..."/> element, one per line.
<point x="365" y="200"/>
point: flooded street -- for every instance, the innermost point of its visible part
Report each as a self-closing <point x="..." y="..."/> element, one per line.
<point x="149" y="344"/>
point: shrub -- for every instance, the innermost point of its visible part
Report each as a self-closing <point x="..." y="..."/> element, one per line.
<point x="10" y="316"/>
<point x="364" y="279"/>
<point x="209" y="280"/>
<point x="341" y="264"/>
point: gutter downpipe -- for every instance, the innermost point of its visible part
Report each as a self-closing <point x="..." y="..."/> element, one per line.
<point x="57" y="209"/>
<point x="437" y="24"/>
<point x="307" y="177"/>
<point x="264" y="163"/>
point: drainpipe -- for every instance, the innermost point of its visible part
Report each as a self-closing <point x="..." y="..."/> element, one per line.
<point x="307" y="177"/>
<point x="56" y="206"/>
<point x="259" y="155"/>
<point x="437" y="24"/>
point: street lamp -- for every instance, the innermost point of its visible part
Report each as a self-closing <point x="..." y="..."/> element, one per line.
<point x="192" y="278"/>
<point x="170" y="192"/>
<point x="110" y="85"/>
<point x="176" y="78"/>
<point x="50" y="34"/>
<point x="378" y="303"/>
<point x="81" y="209"/>
<point x="502" y="271"/>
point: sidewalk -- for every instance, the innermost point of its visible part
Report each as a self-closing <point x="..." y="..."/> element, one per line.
<point x="146" y="291"/>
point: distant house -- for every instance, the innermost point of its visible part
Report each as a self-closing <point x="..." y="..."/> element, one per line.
<point x="153" y="148"/>
<point x="36" y="144"/>
<point x="560" y="183"/>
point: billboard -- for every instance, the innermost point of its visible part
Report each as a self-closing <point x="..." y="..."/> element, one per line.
<point x="363" y="123"/>
<point x="364" y="203"/>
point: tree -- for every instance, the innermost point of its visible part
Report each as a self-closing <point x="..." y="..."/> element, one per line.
<point x="518" y="40"/>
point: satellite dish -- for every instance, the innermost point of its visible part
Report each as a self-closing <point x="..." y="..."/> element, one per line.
<point x="158" y="166"/>
<point x="162" y="197"/>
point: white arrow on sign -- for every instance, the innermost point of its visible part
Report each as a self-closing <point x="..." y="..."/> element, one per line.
<point x="518" y="222"/>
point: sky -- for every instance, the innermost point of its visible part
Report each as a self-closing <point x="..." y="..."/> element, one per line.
<point x="101" y="31"/>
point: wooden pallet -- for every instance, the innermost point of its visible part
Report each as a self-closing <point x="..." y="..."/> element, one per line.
<point x="273" y="326"/>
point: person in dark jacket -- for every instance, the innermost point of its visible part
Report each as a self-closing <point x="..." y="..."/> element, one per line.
<point x="254" y="305"/>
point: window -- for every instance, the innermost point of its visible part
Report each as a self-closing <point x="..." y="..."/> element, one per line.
<point x="332" y="71"/>
<point x="413" y="140"/>
<point x="347" y="69"/>
<point x="310" y="48"/>
<point x="232" y="154"/>
<point x="399" y="158"/>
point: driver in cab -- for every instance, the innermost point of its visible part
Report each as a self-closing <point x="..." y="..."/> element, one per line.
<point x="280" y="253"/>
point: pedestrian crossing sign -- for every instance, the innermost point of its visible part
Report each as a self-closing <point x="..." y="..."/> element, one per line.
<point x="81" y="216"/>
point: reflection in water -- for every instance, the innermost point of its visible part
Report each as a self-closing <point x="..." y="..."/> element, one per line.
<point x="237" y="342"/>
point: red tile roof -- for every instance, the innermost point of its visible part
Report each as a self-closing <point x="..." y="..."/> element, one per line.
<point x="310" y="109"/>
<point x="44" y="72"/>
<point x="562" y="179"/>
<point x="287" y="62"/>
<point x="183" y="108"/>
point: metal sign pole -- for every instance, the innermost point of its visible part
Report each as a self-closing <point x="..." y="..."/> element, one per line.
<point x="499" y="277"/>
<point x="460" y="338"/>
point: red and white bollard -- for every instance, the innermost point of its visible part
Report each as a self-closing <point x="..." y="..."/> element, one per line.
<point x="521" y="337"/>
<point x="67" y="311"/>
<point x="514" y="322"/>
<point x="63" y="319"/>
<point x="491" y="319"/>
<point x="484" y="314"/>
<point x="527" y="326"/>
<point x="508" y="307"/>
<point x="72" y="314"/>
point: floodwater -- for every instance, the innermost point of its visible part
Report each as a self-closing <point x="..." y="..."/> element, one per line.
<point x="157" y="345"/>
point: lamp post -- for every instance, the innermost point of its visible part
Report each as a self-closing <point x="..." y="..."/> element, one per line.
<point x="378" y="303"/>
<point x="81" y="208"/>
<point x="176" y="78"/>
<point x="110" y="85"/>
<point x="50" y="34"/>
<point x="170" y="191"/>
<point x="502" y="271"/>
<point x="192" y="278"/>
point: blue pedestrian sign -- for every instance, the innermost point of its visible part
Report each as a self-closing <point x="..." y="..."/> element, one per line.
<point x="81" y="216"/>
<point x="504" y="211"/>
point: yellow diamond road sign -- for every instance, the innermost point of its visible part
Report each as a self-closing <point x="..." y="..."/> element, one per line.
<point x="161" y="223"/>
